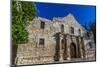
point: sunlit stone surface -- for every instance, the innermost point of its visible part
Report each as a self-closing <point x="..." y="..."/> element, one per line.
<point x="62" y="39"/>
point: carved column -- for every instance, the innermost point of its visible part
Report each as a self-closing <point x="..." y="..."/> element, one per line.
<point x="81" y="51"/>
<point x="57" y="48"/>
<point x="83" y="48"/>
<point x="65" y="47"/>
<point x="68" y="48"/>
<point x="61" y="51"/>
<point x="78" y="47"/>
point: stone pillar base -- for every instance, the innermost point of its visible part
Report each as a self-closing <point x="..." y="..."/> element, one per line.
<point x="68" y="58"/>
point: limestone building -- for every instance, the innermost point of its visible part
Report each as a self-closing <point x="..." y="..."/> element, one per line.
<point x="61" y="39"/>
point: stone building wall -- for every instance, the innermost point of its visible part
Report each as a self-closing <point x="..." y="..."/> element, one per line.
<point x="57" y="42"/>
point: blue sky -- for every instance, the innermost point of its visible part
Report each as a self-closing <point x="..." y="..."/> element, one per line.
<point x="83" y="14"/>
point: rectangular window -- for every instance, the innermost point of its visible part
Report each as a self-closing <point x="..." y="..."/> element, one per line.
<point x="41" y="41"/>
<point x="42" y="24"/>
<point x="79" y="32"/>
<point x="62" y="28"/>
<point x="72" y="30"/>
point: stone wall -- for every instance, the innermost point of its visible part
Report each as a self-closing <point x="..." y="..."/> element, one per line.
<point x="29" y="54"/>
<point x="91" y="54"/>
<point x="34" y="53"/>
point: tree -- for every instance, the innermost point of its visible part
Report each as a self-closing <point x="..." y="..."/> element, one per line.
<point x="93" y="29"/>
<point x="21" y="13"/>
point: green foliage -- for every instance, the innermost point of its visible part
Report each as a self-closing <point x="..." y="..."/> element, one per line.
<point x="28" y="10"/>
<point x="21" y="12"/>
<point x="19" y="33"/>
<point x="93" y="29"/>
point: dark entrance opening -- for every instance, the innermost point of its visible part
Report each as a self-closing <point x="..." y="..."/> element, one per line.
<point x="73" y="50"/>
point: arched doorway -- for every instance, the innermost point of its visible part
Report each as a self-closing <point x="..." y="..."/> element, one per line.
<point x="73" y="50"/>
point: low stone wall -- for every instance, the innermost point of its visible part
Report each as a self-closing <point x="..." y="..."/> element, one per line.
<point x="29" y="54"/>
<point x="91" y="54"/>
<point x="34" y="60"/>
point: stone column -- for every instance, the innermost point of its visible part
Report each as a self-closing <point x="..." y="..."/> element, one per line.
<point x="78" y="47"/>
<point x="57" y="47"/>
<point x="86" y="56"/>
<point x="81" y="51"/>
<point x="68" y="54"/>
<point x="68" y="48"/>
<point x="65" y="47"/>
<point x="83" y="48"/>
<point x="61" y="51"/>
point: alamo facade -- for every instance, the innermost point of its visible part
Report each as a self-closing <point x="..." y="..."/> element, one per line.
<point x="61" y="39"/>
